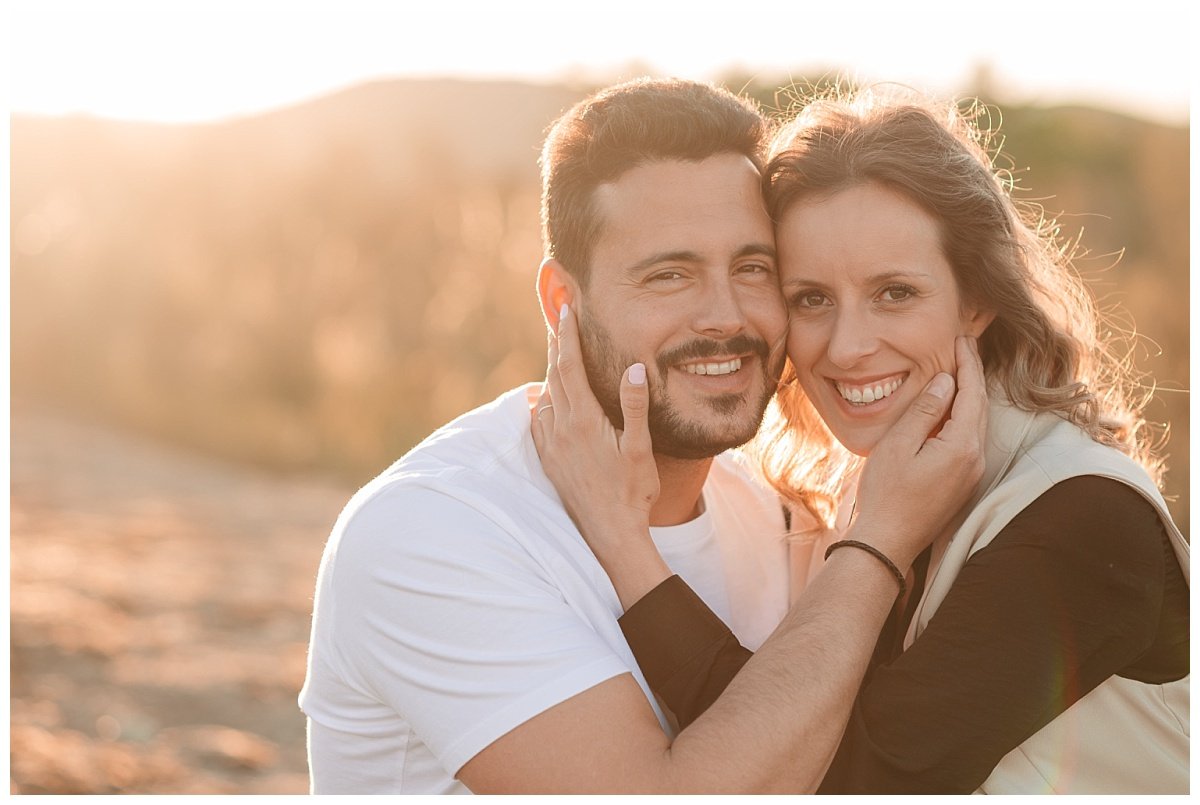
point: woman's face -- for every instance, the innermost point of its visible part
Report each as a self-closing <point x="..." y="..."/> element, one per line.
<point x="874" y="307"/>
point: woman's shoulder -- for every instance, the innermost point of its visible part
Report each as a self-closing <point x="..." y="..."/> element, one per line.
<point x="1061" y="449"/>
<point x="1035" y="452"/>
<point x="1106" y="519"/>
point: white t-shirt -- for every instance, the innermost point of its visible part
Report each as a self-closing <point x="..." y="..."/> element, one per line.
<point x="456" y="600"/>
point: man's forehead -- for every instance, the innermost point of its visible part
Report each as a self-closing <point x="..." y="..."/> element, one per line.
<point x="712" y="207"/>
<point x="647" y="172"/>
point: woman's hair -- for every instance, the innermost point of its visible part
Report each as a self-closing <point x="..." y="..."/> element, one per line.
<point x="1045" y="350"/>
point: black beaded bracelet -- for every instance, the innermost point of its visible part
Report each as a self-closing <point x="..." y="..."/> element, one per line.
<point x="878" y="554"/>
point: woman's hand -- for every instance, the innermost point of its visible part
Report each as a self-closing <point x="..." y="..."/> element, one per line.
<point x="924" y="470"/>
<point x="606" y="478"/>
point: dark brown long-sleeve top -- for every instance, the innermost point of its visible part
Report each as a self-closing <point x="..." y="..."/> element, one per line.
<point x="1080" y="586"/>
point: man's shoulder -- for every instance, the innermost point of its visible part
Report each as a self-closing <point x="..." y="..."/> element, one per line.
<point x="473" y="441"/>
<point x="473" y="476"/>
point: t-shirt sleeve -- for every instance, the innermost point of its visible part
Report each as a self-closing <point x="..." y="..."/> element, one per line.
<point x="443" y="617"/>
<point x="686" y="653"/>
<point x="1065" y="596"/>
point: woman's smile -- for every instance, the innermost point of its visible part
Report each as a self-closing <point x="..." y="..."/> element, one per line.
<point x="866" y="393"/>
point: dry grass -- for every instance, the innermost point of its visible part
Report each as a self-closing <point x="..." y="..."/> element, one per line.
<point x="160" y="608"/>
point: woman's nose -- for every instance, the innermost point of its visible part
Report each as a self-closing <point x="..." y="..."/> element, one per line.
<point x="852" y="338"/>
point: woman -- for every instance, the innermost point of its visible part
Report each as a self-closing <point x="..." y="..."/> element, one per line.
<point x="1042" y="646"/>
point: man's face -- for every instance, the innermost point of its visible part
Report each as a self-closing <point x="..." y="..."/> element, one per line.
<point x="683" y="279"/>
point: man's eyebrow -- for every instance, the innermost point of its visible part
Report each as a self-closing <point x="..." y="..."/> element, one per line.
<point x="797" y="282"/>
<point x="764" y="249"/>
<point x="677" y="256"/>
<point x="684" y="256"/>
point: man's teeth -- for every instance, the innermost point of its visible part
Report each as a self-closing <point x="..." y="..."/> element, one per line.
<point x="868" y="393"/>
<point x="723" y="368"/>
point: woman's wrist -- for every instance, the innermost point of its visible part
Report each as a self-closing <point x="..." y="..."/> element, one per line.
<point x="632" y="580"/>
<point x="631" y="560"/>
<point x="875" y="579"/>
<point x="894" y="542"/>
<point x="886" y="560"/>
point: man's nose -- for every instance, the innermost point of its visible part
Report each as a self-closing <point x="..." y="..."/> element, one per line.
<point x="719" y="312"/>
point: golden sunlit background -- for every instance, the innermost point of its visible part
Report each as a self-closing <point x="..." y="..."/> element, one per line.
<point x="260" y="249"/>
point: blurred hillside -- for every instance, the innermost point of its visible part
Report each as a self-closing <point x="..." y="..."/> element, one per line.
<point x="319" y="287"/>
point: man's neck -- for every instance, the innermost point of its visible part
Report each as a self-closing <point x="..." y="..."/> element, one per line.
<point x="680" y="484"/>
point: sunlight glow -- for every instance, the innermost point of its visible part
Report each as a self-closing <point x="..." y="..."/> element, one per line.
<point x="185" y="60"/>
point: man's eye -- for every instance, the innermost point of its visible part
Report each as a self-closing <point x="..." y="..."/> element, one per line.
<point x="666" y="276"/>
<point x="897" y="293"/>
<point x="810" y="299"/>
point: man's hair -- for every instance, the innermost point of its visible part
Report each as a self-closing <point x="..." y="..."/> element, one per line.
<point x="620" y="128"/>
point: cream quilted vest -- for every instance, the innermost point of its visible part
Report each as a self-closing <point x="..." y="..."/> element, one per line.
<point x="1125" y="736"/>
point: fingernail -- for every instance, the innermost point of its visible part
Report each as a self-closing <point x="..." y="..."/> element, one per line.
<point x="637" y="374"/>
<point x="941" y="385"/>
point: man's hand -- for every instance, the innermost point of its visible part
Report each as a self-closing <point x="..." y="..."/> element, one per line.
<point x="920" y="475"/>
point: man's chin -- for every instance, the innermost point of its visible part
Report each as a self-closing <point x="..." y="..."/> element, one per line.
<point x="725" y="423"/>
<point x="692" y="441"/>
<point x="694" y="452"/>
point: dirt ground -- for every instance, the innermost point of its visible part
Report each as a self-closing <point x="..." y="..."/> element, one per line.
<point x="160" y="607"/>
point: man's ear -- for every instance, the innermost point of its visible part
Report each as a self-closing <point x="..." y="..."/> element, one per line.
<point x="555" y="286"/>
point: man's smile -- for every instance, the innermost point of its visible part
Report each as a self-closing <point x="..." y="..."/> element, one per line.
<point x="713" y="367"/>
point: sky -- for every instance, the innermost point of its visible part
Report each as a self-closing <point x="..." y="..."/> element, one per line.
<point x="190" y="60"/>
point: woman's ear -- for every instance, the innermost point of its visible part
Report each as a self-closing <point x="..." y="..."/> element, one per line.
<point x="555" y="287"/>
<point x="975" y="321"/>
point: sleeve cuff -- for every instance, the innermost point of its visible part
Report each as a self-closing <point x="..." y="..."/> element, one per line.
<point x="686" y="653"/>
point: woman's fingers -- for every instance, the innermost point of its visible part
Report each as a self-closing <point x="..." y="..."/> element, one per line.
<point x="544" y="410"/>
<point x="635" y="407"/>
<point x="571" y="375"/>
<point x="554" y="386"/>
<point x="542" y="421"/>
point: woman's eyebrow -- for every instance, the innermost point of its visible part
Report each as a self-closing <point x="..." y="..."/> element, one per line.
<point x="873" y="279"/>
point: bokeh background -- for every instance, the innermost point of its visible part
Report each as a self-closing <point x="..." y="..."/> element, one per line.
<point x="259" y="250"/>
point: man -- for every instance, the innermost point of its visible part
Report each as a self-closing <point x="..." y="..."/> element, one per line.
<point x="465" y="638"/>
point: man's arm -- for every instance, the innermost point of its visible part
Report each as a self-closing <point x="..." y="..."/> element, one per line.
<point x="774" y="728"/>
<point x="777" y="724"/>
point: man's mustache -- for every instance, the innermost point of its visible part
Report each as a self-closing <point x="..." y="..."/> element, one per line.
<point x="710" y="348"/>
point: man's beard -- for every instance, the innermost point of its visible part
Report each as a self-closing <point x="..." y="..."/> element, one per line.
<point x="673" y="435"/>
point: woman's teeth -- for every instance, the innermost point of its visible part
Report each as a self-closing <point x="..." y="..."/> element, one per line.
<point x="861" y="395"/>
<point x="723" y="368"/>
